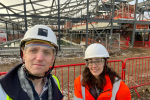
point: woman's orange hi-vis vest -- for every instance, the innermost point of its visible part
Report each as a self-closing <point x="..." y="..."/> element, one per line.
<point x="117" y="91"/>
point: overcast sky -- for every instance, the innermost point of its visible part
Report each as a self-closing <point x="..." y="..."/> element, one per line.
<point x="12" y="2"/>
<point x="28" y="7"/>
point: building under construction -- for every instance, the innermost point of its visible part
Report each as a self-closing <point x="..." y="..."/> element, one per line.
<point x="113" y="23"/>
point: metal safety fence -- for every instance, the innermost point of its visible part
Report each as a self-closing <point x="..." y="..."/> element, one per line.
<point x="136" y="72"/>
<point x="133" y="71"/>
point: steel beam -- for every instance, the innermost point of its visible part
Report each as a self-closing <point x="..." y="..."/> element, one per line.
<point x="119" y="21"/>
<point x="59" y="24"/>
<point x="7" y="8"/>
<point x="112" y="20"/>
<point x="6" y="30"/>
<point x="134" y="25"/>
<point x="25" y="17"/>
<point x="23" y="4"/>
<point x="87" y="17"/>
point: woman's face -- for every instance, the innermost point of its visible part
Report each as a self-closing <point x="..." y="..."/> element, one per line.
<point x="96" y="66"/>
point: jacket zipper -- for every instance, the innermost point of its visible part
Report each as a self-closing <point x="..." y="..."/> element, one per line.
<point x="100" y="92"/>
<point x="42" y="94"/>
<point x="105" y="91"/>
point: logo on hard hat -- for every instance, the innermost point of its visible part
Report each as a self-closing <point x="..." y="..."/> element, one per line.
<point x="43" y="32"/>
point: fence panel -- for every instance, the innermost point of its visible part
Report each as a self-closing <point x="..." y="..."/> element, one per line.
<point x="66" y="75"/>
<point x="117" y="66"/>
<point x="137" y="71"/>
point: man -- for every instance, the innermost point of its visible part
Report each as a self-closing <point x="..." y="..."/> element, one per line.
<point x="31" y="80"/>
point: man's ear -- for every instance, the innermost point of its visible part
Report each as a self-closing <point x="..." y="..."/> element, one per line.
<point x="53" y="59"/>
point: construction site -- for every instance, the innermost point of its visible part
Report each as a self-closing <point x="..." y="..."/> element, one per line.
<point x="122" y="26"/>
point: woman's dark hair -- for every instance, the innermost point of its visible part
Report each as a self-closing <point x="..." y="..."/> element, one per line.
<point x="90" y="80"/>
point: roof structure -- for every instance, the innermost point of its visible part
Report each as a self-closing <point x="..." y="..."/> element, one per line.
<point x="27" y="13"/>
<point x="49" y="11"/>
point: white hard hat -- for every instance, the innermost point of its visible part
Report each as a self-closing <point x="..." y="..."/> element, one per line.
<point x="96" y="50"/>
<point x="41" y="32"/>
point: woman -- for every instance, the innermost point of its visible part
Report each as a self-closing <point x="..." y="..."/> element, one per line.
<point x="98" y="81"/>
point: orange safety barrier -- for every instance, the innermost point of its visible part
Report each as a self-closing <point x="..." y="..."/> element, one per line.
<point x="141" y="44"/>
<point x="126" y="12"/>
<point x="138" y="26"/>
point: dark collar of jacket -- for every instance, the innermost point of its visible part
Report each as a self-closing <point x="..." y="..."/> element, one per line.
<point x="11" y="85"/>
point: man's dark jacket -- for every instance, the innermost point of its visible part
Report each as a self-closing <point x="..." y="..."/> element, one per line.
<point x="11" y="85"/>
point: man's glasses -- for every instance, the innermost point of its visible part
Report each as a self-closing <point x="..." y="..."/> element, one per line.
<point x="34" y="49"/>
<point x="96" y="62"/>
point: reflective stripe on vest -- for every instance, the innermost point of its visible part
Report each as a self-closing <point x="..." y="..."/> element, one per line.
<point x="115" y="89"/>
<point x="9" y="98"/>
<point x="83" y="89"/>
<point x="56" y="81"/>
<point x="75" y="98"/>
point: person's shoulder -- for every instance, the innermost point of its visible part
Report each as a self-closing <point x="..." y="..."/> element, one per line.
<point x="55" y="79"/>
<point x="123" y="92"/>
<point x="123" y="86"/>
<point x="78" y="78"/>
<point x="77" y="82"/>
<point x="122" y="83"/>
<point x="54" y="76"/>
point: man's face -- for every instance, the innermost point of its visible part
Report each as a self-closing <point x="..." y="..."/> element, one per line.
<point x="38" y="58"/>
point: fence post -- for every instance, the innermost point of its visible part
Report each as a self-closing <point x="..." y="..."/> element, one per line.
<point x="149" y="42"/>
